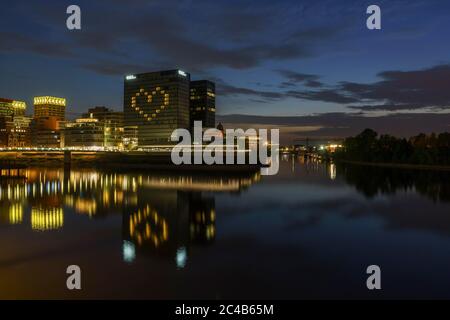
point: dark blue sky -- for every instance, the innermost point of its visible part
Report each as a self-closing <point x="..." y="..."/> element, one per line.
<point x="268" y="58"/>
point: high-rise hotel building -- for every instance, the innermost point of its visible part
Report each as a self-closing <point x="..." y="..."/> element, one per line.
<point x="156" y="103"/>
<point x="203" y="103"/>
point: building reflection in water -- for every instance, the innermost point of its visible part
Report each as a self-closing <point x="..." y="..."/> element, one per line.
<point x="44" y="219"/>
<point x="163" y="215"/>
<point x="11" y="213"/>
<point x="332" y="170"/>
<point x="167" y="223"/>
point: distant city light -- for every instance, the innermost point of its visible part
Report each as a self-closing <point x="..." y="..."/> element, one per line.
<point x="182" y="73"/>
<point x="129" y="251"/>
<point x="181" y="257"/>
<point x="130" y="77"/>
<point x="86" y="120"/>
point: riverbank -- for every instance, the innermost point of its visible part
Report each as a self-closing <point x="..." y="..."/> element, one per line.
<point x="396" y="165"/>
<point x="149" y="161"/>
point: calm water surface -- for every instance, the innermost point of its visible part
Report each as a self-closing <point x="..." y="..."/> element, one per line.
<point x="308" y="232"/>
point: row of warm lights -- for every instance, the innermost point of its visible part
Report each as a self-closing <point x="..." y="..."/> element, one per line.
<point x="47" y="219"/>
<point x="15" y="213"/>
<point x="19" y="104"/>
<point x="50" y="100"/>
<point x="85" y="181"/>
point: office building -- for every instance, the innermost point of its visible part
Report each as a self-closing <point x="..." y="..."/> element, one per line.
<point x="156" y="103"/>
<point x="203" y="103"/>
<point x="6" y="125"/>
<point x="20" y="133"/>
<point x="14" y="125"/>
<point x="113" y="125"/>
<point x="84" y="133"/>
<point x="46" y="132"/>
<point x="49" y="118"/>
<point x="50" y="107"/>
<point x="130" y="137"/>
<point x="9" y="107"/>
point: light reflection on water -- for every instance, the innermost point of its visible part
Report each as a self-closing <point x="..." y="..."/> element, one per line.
<point x="306" y="232"/>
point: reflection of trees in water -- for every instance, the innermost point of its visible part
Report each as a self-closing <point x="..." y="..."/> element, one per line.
<point x="371" y="180"/>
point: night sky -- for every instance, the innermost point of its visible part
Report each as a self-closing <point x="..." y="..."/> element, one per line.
<point x="309" y="67"/>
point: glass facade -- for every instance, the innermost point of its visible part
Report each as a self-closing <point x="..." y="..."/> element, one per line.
<point x="113" y="125"/>
<point x="87" y="132"/>
<point x="156" y="103"/>
<point x="203" y="103"/>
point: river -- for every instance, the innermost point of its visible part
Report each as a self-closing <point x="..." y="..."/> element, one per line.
<point x="308" y="232"/>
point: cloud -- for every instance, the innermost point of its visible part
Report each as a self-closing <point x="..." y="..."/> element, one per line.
<point x="396" y="90"/>
<point x="295" y="78"/>
<point x="18" y="42"/>
<point x="387" y="107"/>
<point x="407" y="89"/>
<point x="340" y="125"/>
<point x="225" y="89"/>
<point x="313" y="84"/>
<point x="113" y="68"/>
<point x="326" y="95"/>
<point x="196" y="36"/>
<point x="425" y="89"/>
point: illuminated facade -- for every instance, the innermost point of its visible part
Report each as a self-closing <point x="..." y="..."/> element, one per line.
<point x="20" y="134"/>
<point x="113" y="125"/>
<point x="46" y="132"/>
<point x="84" y="132"/>
<point x="6" y="125"/>
<point x="49" y="117"/>
<point x="130" y="137"/>
<point x="50" y="107"/>
<point x="203" y="103"/>
<point x="14" y="125"/>
<point x="15" y="132"/>
<point x="10" y="107"/>
<point x="156" y="103"/>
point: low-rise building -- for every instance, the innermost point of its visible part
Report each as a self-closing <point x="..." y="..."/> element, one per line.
<point x="84" y="133"/>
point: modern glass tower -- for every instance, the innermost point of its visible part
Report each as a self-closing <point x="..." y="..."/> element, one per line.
<point x="156" y="103"/>
<point x="203" y="103"/>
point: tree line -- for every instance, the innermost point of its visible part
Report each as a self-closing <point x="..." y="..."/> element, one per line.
<point x="423" y="149"/>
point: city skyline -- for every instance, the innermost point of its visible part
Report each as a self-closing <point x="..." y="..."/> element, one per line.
<point x="224" y="158"/>
<point x="310" y="63"/>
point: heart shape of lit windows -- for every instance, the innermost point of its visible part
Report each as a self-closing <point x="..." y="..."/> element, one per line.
<point x="147" y="226"/>
<point x="146" y="98"/>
